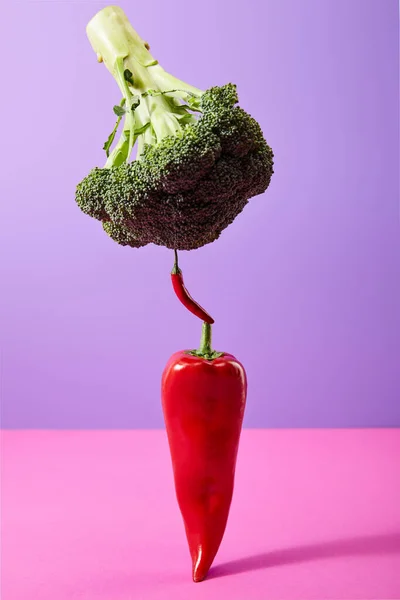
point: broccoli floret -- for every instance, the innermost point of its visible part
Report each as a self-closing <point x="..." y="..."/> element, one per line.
<point x="199" y="156"/>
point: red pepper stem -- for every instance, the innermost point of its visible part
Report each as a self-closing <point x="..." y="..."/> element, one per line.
<point x="206" y="339"/>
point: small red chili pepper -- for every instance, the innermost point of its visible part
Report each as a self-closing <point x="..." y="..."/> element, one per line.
<point x="184" y="296"/>
<point x="203" y="399"/>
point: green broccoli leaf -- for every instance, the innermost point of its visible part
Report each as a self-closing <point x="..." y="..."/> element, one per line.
<point x="194" y="104"/>
<point x="128" y="76"/>
<point x="135" y="103"/>
<point x="119" y="110"/>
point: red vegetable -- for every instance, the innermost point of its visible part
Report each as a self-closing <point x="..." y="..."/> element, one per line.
<point x="203" y="398"/>
<point x="185" y="297"/>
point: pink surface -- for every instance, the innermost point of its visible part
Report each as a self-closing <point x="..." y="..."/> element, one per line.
<point x="92" y="516"/>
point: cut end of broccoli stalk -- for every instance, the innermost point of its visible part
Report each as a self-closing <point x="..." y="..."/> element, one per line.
<point x="156" y="104"/>
<point x="112" y="36"/>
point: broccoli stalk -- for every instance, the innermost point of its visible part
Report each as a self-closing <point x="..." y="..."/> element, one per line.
<point x="157" y="103"/>
<point x="200" y="158"/>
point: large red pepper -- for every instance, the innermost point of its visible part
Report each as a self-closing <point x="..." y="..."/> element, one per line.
<point x="203" y="398"/>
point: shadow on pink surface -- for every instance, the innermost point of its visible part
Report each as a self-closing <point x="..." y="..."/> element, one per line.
<point x="382" y="544"/>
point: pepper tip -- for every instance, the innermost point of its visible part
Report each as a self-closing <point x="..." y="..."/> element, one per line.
<point x="200" y="569"/>
<point x="198" y="576"/>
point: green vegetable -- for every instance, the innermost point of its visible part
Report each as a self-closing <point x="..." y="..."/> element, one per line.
<point x="119" y="111"/>
<point x="199" y="156"/>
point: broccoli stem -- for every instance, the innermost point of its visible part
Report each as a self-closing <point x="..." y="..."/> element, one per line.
<point x="121" y="48"/>
<point x="112" y="37"/>
<point x="130" y="117"/>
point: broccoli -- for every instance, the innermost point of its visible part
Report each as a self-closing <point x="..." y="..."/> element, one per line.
<point x="199" y="156"/>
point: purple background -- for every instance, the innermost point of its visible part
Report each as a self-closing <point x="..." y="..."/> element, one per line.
<point x="305" y="285"/>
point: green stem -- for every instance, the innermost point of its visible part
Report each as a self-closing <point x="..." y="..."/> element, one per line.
<point x="123" y="84"/>
<point x="205" y="350"/>
<point x="121" y="48"/>
<point x="167" y="81"/>
<point x="176" y="270"/>
<point x="206" y="340"/>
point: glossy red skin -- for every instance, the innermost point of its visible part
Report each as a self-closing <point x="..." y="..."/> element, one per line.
<point x="203" y="403"/>
<point x="187" y="300"/>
